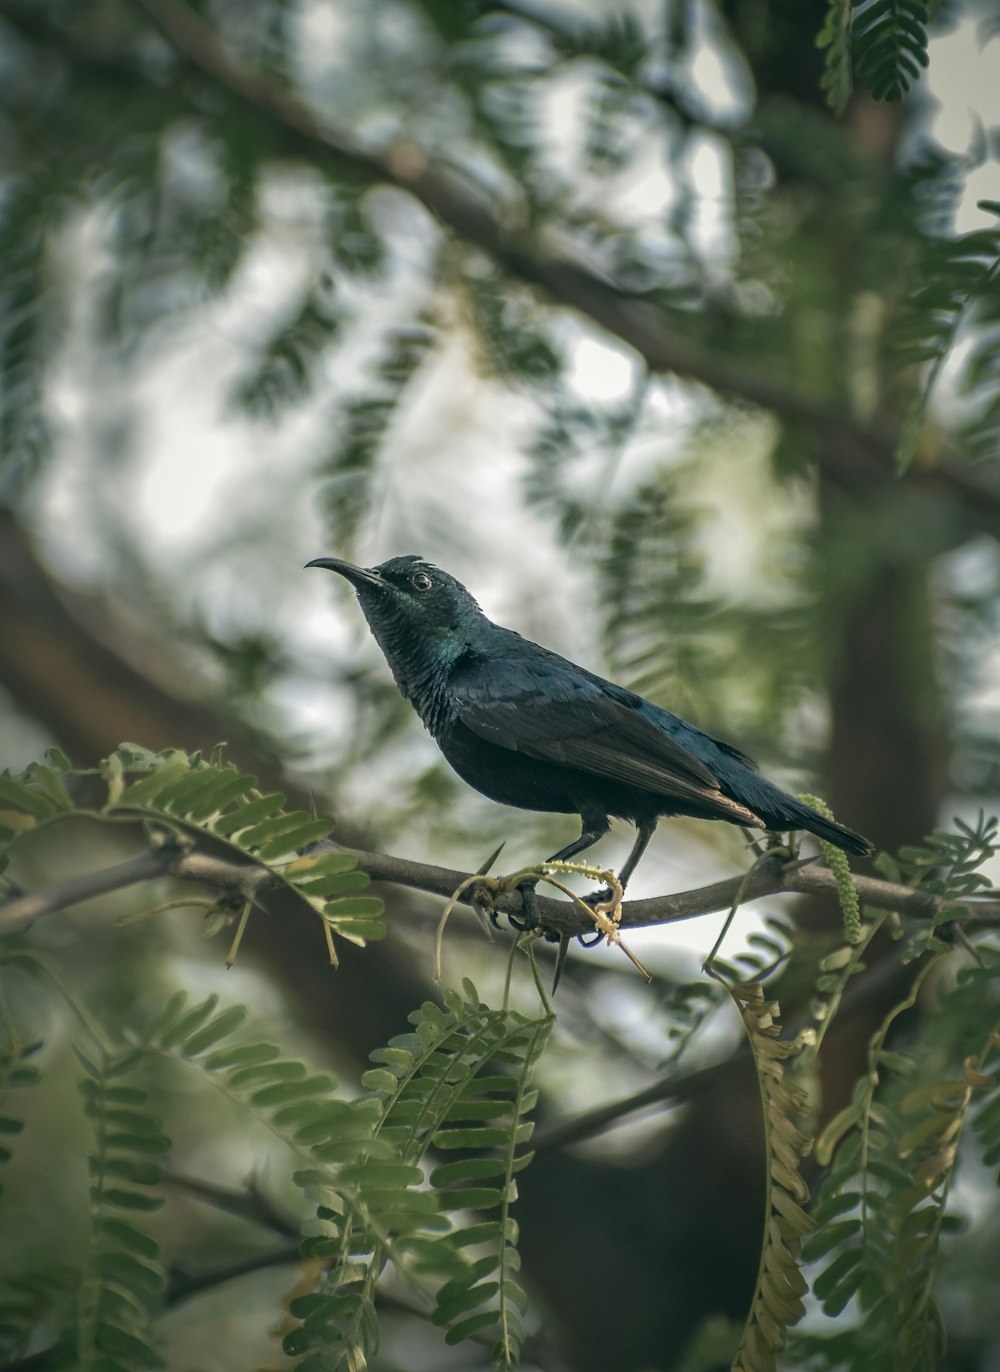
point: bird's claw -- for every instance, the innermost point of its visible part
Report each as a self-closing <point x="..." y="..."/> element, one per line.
<point x="604" y="918"/>
<point x="532" y="919"/>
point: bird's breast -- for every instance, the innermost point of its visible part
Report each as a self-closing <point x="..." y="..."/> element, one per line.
<point x="505" y="776"/>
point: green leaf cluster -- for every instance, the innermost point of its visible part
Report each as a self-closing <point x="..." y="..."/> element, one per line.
<point x="348" y="472"/>
<point x="451" y="1098"/>
<point x="122" y="1283"/>
<point x="185" y="798"/>
<point x="884" y="41"/>
<point x="17" y="1072"/>
<point x="778" y="1296"/>
<point x="882" y="1210"/>
<point x="890" y="45"/>
<point x="460" y="1081"/>
<point x="958" y="297"/>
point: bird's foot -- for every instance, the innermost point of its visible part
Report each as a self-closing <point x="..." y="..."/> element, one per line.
<point x="607" y="908"/>
<point x="531" y="919"/>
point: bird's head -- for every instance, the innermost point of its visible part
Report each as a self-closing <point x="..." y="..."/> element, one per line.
<point x="413" y="609"/>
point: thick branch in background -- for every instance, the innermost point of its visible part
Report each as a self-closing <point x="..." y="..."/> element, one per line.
<point x="858" y="456"/>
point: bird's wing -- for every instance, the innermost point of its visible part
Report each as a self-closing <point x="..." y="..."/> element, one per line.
<point x="561" y="717"/>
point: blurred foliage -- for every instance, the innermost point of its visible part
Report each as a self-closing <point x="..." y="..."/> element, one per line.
<point x="461" y="1083"/>
<point x="375" y="243"/>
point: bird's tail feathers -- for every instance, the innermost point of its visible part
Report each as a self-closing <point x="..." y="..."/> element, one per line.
<point x="805" y="817"/>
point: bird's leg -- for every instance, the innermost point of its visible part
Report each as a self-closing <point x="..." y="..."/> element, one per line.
<point x="594" y="824"/>
<point x="644" y="833"/>
<point x="753" y="842"/>
<point x="532" y="918"/>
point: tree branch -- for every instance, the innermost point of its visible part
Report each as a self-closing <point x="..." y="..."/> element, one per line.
<point x="163" y="860"/>
<point x="775" y="875"/>
<point x="568" y="282"/>
<point x="860" y="456"/>
<point x="247" y="1203"/>
<point x="25" y="909"/>
<point x="182" y="1285"/>
<point x="853" y="453"/>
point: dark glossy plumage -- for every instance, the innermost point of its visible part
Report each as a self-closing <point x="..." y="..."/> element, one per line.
<point x="529" y="728"/>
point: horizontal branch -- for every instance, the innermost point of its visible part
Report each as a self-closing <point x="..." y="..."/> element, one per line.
<point x="246" y="1203"/>
<point x="244" y="879"/>
<point x="182" y="1284"/>
<point x="23" y="910"/>
<point x="774" y="875"/>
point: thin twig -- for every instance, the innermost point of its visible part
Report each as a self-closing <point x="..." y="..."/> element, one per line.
<point x="182" y="1285"/>
<point x="668" y="1091"/>
<point x="246" y="1202"/>
<point x="162" y="860"/>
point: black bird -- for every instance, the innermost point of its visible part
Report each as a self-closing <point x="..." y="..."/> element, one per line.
<point x="529" y="728"/>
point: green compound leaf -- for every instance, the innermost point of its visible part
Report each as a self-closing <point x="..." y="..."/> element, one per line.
<point x="777" y="1301"/>
<point x="188" y="798"/>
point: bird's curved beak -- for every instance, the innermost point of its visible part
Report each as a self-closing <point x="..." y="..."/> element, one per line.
<point x="357" y="576"/>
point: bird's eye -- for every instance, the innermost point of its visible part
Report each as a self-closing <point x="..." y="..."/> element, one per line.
<point x="420" y="581"/>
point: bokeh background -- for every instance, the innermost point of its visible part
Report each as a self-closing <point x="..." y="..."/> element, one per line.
<point x="607" y="312"/>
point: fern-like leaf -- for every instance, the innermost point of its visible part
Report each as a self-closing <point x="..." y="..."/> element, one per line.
<point x="777" y="1301"/>
<point x="122" y="1285"/>
<point x="670" y="639"/>
<point x="890" y="45"/>
<point x="984" y="1074"/>
<point x="652" y="575"/>
<point x="892" y="1151"/>
<point x="16" y="1073"/>
<point x="25" y="341"/>
<point x="512" y="330"/>
<point x="958" y="279"/>
<point x="34" y="1298"/>
<point x="364" y="1192"/>
<point x="361" y="424"/>
<point x="209" y="799"/>
<point x="835" y="36"/>
<point x="459" y="1081"/>
<point x="287" y="360"/>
